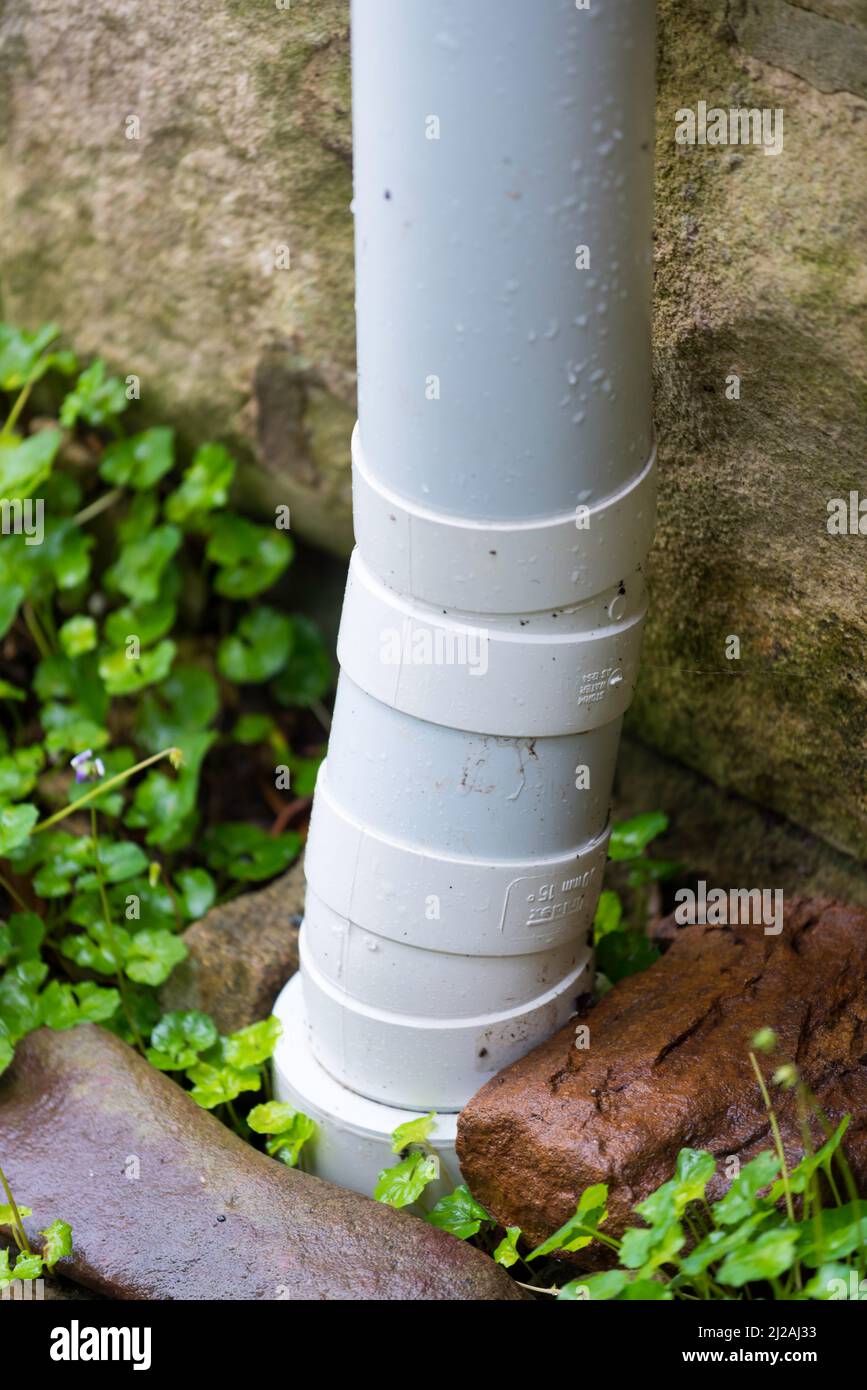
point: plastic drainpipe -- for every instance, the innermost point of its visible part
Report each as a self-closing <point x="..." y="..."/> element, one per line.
<point x="504" y="501"/>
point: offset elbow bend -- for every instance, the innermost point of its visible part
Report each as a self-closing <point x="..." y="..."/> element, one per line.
<point x="504" y="503"/>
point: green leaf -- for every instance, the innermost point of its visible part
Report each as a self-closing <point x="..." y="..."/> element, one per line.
<point x="140" y="461"/>
<point x="256" y="728"/>
<point x="118" y="861"/>
<point x="139" y="567"/>
<point x="767" y="1257"/>
<point x="274" y="1117"/>
<point x="12" y="595"/>
<point x="78" y="635"/>
<point x="403" y="1184"/>
<point x="741" y="1199"/>
<point x="19" y="770"/>
<point x="6" y="1274"/>
<point x="96" y="1004"/>
<point x="624" y="953"/>
<point x="27" y="931"/>
<point x="65" y="552"/>
<point x="28" y="1266"/>
<point x="59" y="1006"/>
<point x="594" y="1288"/>
<point x="16" y="823"/>
<point x="148" y="622"/>
<point x="64" y="858"/>
<point x="579" y="1230"/>
<point x="646" y="1290"/>
<point x="693" y="1171"/>
<point x="69" y="730"/>
<point x="218" y="1085"/>
<point x="288" y="1145"/>
<point x="307" y="675"/>
<point x="62" y="495"/>
<point x="152" y="955"/>
<point x="7" y="1047"/>
<point x="630" y="838"/>
<point x="204" y="487"/>
<point x="179" y="1038"/>
<point x="57" y="1243"/>
<point x="95" y="398"/>
<point x="459" y="1213"/>
<point x="20" y="1010"/>
<point x="258" y="649"/>
<point x="289" y="1127"/>
<point x="506" y="1253"/>
<point x="609" y="914"/>
<point x="647" y="1248"/>
<point x="124" y="675"/>
<point x="25" y="465"/>
<point x="197" y="891"/>
<point x="250" y="558"/>
<point x="7" y="1213"/>
<point x="142" y="1005"/>
<point x="139" y="520"/>
<point x="834" y="1282"/>
<point x="652" y="871"/>
<point x="59" y="678"/>
<point x="245" y="852"/>
<point x="413" y="1132"/>
<point x="304" y="774"/>
<point x="98" y="949"/>
<point x="252" y="1046"/>
<point x="844" y="1229"/>
<point x="166" y="806"/>
<point x="11" y="692"/>
<point x="23" y="356"/>
<point x="186" y="702"/>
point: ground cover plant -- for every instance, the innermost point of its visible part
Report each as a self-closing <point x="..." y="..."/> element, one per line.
<point x="779" y="1232"/>
<point x="141" y="665"/>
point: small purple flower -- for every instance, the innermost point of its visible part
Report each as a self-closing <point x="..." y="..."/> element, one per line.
<point x="87" y="767"/>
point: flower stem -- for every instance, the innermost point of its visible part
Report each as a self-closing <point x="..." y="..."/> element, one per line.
<point x="778" y="1141"/>
<point x="14" y="894"/>
<point x="109" y="927"/>
<point x="18" y="1230"/>
<point x="101" y="504"/>
<point x="35" y="630"/>
<point x="101" y="789"/>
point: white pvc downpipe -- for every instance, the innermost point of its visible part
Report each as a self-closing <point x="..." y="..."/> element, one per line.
<point x="504" y="499"/>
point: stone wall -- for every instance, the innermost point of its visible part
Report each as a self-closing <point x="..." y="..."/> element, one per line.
<point x="163" y="253"/>
<point x="760" y="272"/>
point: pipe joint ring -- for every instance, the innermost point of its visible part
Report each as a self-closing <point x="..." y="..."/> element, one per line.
<point x="502" y="567"/>
<point x="466" y="906"/>
<point x="530" y="675"/>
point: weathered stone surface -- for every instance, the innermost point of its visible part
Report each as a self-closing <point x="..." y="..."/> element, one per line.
<point x="759" y="271"/>
<point x="812" y="38"/>
<point x="723" y="839"/>
<point x="159" y="252"/>
<point x="156" y="253"/>
<point x="668" y="1067"/>
<point x="207" y="1217"/>
<point x="241" y="955"/>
